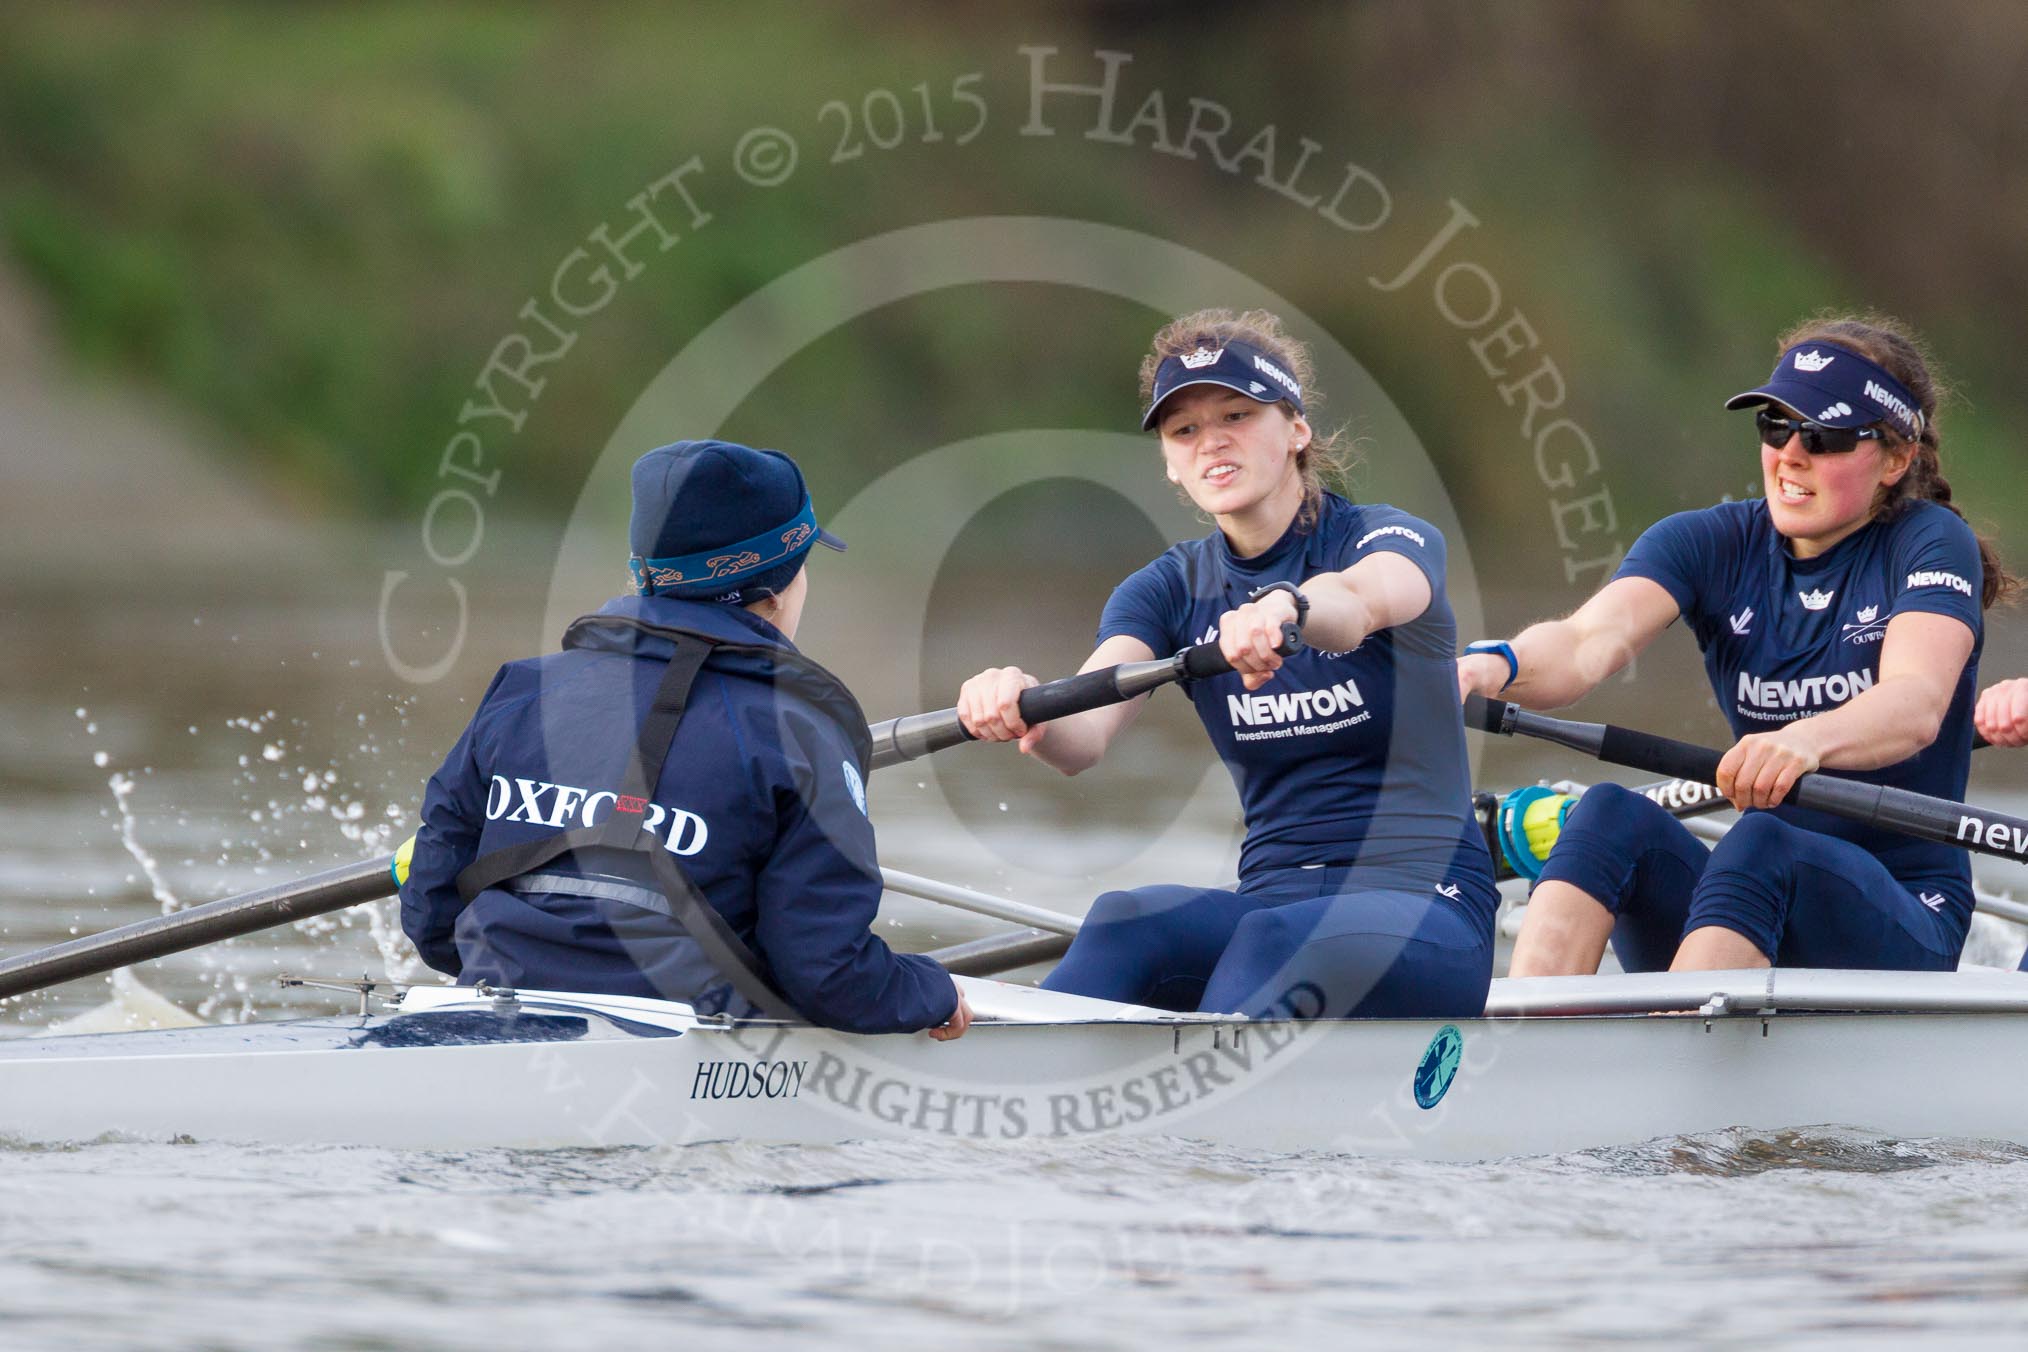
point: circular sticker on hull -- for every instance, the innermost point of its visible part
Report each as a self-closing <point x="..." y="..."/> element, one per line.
<point x="1439" y="1066"/>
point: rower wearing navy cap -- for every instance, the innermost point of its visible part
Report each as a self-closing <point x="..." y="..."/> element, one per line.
<point x="674" y="805"/>
<point x="1840" y="617"/>
<point x="1365" y="888"/>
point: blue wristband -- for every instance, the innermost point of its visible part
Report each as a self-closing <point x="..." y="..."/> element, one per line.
<point x="1504" y="649"/>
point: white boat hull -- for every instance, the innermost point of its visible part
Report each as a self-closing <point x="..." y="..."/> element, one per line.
<point x="617" y="1073"/>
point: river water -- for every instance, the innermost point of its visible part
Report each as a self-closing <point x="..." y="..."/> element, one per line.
<point x="240" y="725"/>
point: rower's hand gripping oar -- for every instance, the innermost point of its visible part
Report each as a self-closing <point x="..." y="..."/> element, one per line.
<point x="915" y="735"/>
<point x="1912" y="814"/>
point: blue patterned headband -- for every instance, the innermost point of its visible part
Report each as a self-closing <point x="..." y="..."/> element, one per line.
<point x="713" y="572"/>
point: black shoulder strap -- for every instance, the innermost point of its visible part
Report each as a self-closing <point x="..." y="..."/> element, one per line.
<point x="658" y="729"/>
<point x="623" y="830"/>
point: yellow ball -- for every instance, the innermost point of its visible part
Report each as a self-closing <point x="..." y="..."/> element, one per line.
<point x="1542" y="822"/>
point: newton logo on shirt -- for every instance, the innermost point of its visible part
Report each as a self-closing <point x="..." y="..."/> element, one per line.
<point x="1932" y="578"/>
<point x="1375" y="534"/>
<point x="1293" y="706"/>
<point x="1803" y="692"/>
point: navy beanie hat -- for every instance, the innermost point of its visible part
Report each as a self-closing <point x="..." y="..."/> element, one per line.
<point x="716" y="521"/>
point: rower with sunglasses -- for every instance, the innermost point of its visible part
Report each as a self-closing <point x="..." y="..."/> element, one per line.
<point x="1840" y="618"/>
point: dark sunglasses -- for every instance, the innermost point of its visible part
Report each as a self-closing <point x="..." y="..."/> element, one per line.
<point x="1817" y="438"/>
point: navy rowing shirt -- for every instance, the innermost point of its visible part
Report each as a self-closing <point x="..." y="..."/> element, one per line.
<point x="1784" y="638"/>
<point x="1343" y="757"/>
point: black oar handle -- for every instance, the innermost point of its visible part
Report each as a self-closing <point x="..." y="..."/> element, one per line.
<point x="1912" y="814"/>
<point x="905" y="739"/>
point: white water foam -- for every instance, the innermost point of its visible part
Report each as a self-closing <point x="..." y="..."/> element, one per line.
<point x="288" y="804"/>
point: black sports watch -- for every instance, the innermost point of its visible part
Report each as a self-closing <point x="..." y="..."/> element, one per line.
<point x="1302" y="601"/>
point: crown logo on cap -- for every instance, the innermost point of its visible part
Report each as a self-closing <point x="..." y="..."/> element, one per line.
<point x="1202" y="357"/>
<point x="1812" y="360"/>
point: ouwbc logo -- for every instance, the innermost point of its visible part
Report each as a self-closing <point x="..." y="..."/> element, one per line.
<point x="1867" y="626"/>
<point x="1812" y="360"/>
<point x="560" y="806"/>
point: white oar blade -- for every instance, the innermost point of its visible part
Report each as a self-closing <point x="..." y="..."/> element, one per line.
<point x="133" y="1007"/>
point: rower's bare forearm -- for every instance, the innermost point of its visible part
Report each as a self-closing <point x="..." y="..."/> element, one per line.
<point x="1068" y="749"/>
<point x="1341" y="616"/>
<point x="1896" y="719"/>
<point x="1560" y="663"/>
<point x="1076" y="743"/>
<point x="1346" y="607"/>
<point x="1922" y="658"/>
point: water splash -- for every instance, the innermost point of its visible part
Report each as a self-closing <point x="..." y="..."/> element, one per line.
<point x="295" y="812"/>
<point x="129" y="830"/>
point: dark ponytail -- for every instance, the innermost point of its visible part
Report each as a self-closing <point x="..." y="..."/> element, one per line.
<point x="1889" y="344"/>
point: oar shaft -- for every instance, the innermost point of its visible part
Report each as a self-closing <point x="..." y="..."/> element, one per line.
<point x="1911" y="814"/>
<point x="998" y="953"/>
<point x="225" y="918"/>
<point x="916" y="735"/>
<point x="980" y="903"/>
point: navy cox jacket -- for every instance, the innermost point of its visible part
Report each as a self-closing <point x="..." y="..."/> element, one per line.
<point x="761" y="801"/>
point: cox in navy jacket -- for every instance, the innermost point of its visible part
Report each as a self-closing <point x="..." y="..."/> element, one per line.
<point x="762" y="802"/>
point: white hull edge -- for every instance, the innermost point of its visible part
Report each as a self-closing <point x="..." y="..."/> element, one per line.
<point x="1083" y="1070"/>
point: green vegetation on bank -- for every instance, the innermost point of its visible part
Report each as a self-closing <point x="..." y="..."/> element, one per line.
<point x="313" y="224"/>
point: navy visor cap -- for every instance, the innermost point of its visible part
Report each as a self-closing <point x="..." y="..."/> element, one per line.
<point x="718" y="521"/>
<point x="1236" y="366"/>
<point x="1836" y="387"/>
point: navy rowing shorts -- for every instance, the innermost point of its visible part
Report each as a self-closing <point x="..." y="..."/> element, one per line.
<point x="1289" y="943"/>
<point x="1802" y="898"/>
